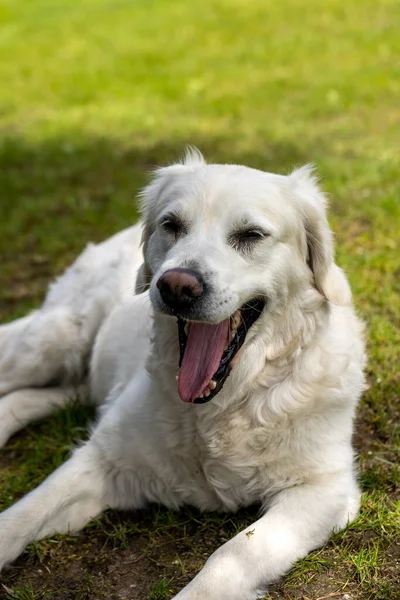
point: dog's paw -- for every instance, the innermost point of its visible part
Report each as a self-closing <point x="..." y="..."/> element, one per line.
<point x="6" y="422"/>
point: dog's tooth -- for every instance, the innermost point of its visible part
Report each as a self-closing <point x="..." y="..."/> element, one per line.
<point x="200" y="396"/>
<point x="212" y="384"/>
<point x="207" y="393"/>
<point x="176" y="377"/>
<point x="235" y="320"/>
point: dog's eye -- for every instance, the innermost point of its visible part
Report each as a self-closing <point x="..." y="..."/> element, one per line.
<point x="173" y="226"/>
<point x="251" y="235"/>
<point x="247" y="238"/>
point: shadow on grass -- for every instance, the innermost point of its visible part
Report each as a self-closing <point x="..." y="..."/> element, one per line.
<point x="94" y="180"/>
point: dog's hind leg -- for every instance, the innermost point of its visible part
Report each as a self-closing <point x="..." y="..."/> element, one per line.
<point x="8" y="331"/>
<point x="53" y="345"/>
<point x="21" y="407"/>
<point x="63" y="503"/>
<point x="43" y="349"/>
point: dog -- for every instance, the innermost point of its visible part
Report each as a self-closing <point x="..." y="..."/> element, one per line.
<point x="230" y="378"/>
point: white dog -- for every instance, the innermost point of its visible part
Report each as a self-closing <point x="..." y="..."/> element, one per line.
<point x="233" y="380"/>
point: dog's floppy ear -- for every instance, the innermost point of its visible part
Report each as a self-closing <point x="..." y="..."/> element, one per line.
<point x="328" y="277"/>
<point x="148" y="201"/>
<point x="152" y="200"/>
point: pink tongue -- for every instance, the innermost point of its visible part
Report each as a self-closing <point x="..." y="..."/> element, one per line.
<point x="203" y="353"/>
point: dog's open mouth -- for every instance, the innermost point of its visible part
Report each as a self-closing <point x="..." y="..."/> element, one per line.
<point x="207" y="351"/>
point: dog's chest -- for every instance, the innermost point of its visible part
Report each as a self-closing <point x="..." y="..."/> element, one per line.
<point x="243" y="462"/>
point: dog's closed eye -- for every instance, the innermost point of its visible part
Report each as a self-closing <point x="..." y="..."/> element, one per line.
<point x="244" y="240"/>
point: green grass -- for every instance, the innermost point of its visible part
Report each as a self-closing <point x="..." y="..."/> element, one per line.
<point x="23" y="593"/>
<point x="161" y="590"/>
<point x="94" y="94"/>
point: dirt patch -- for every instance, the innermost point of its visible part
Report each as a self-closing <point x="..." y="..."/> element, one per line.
<point x="167" y="546"/>
<point x="321" y="586"/>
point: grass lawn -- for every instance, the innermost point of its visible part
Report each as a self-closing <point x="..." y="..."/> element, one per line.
<point x="96" y="92"/>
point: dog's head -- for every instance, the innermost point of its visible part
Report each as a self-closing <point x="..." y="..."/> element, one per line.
<point x="224" y="244"/>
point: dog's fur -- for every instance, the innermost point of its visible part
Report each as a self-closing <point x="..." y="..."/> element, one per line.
<point x="278" y="433"/>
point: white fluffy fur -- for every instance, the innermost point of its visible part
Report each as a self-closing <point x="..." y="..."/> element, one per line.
<point x="279" y="432"/>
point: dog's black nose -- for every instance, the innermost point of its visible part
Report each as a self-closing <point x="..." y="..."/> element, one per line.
<point x="179" y="288"/>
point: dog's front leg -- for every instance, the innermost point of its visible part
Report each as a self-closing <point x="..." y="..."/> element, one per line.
<point x="64" y="502"/>
<point x="299" y="520"/>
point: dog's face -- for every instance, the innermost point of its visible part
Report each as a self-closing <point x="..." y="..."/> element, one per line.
<point x="222" y="245"/>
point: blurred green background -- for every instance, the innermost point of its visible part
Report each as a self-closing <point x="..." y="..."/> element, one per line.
<point x="95" y="93"/>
